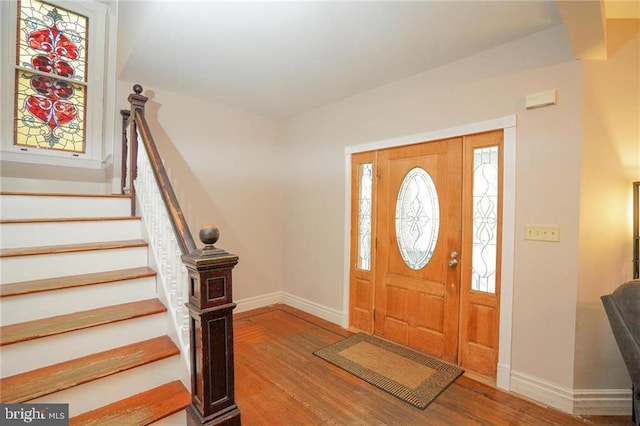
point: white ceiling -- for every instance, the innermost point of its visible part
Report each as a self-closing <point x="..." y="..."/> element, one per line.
<point x="279" y="59"/>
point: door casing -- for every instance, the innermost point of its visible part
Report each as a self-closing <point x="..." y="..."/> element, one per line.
<point x="508" y="125"/>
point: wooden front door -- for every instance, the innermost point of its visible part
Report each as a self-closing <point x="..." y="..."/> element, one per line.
<point x="426" y="249"/>
<point x="419" y="234"/>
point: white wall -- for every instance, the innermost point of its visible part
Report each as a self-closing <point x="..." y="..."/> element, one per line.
<point x="610" y="163"/>
<point x="224" y="165"/>
<point x="277" y="191"/>
<point x="485" y="86"/>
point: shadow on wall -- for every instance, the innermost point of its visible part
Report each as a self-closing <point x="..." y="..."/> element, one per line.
<point x="197" y="207"/>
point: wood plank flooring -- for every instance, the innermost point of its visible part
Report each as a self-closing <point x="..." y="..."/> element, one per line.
<point x="279" y="381"/>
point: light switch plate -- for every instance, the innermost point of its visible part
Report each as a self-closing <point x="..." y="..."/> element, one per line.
<point x="542" y="233"/>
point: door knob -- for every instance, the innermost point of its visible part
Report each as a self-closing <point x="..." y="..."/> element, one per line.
<point x="453" y="259"/>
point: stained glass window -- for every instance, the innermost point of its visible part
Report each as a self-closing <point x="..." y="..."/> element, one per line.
<point x="417" y="218"/>
<point x="51" y="76"/>
<point x="365" y="179"/>
<point x="485" y="219"/>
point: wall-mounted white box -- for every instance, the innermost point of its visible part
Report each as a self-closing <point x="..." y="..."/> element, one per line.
<point x="541" y="99"/>
<point x="549" y="233"/>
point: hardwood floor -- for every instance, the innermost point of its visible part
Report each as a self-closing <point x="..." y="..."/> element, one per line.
<point x="280" y="382"/>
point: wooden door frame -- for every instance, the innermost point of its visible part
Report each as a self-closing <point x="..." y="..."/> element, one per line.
<point x="508" y="125"/>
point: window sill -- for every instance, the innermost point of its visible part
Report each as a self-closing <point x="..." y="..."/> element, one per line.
<point x="55" y="160"/>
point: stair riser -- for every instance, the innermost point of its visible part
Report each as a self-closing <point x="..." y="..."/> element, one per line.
<point x="21" y="357"/>
<point x="177" y="419"/>
<point x="36" y="207"/>
<point x="14" y="235"/>
<point x="29" y="307"/>
<point x="51" y="186"/>
<point x="26" y="268"/>
<point x="109" y="389"/>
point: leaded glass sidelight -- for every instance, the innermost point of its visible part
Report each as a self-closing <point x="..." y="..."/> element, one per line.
<point x="485" y="219"/>
<point x="51" y="76"/>
<point x="365" y="184"/>
<point x="417" y="218"/>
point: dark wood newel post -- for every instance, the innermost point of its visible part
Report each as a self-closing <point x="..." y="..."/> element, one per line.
<point x="211" y="333"/>
<point x="137" y="102"/>
<point x="125" y="113"/>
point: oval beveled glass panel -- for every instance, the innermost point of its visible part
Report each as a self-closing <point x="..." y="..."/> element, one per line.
<point x="417" y="218"/>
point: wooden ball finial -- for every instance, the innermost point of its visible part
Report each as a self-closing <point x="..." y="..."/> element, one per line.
<point x="209" y="235"/>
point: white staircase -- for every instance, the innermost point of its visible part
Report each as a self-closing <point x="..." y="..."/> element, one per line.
<point x="80" y="318"/>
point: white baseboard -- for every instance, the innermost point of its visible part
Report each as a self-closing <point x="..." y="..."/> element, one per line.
<point x="321" y="311"/>
<point x="602" y="402"/>
<point x="542" y="391"/>
<point x="333" y="315"/>
<point x="256" y="302"/>
<point x="503" y="378"/>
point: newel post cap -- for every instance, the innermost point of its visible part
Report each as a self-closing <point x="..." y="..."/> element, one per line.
<point x="136" y="99"/>
<point x="209" y="255"/>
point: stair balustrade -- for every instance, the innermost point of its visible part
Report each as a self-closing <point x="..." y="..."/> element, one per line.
<point x="195" y="283"/>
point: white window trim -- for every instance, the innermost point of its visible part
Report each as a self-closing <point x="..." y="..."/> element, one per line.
<point x="508" y="124"/>
<point x="100" y="89"/>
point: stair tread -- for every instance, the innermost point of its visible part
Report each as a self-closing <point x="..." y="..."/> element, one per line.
<point x="70" y="248"/>
<point x="59" y="324"/>
<point x="68" y="219"/>
<point x="58" y="283"/>
<point x="44" y="381"/>
<point x="58" y="194"/>
<point x="141" y="409"/>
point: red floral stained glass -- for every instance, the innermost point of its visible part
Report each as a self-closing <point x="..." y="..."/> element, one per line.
<point x="50" y="76"/>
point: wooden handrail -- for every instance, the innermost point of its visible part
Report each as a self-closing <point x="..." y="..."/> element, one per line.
<point x="183" y="234"/>
<point x="141" y="128"/>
